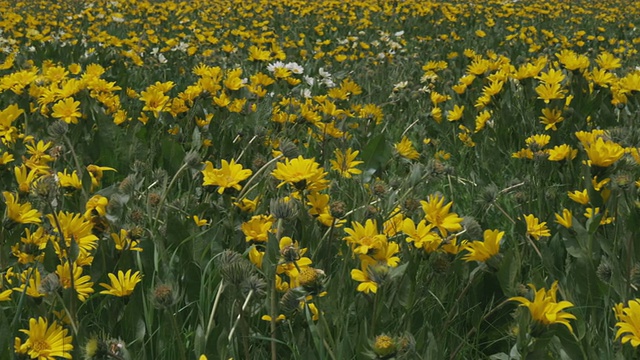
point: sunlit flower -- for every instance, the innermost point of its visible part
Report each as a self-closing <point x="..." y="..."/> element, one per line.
<point x="482" y="119"/>
<point x="38" y="151"/>
<point x="545" y="309"/>
<point x="20" y="213"/>
<point x="82" y="285"/>
<point x="256" y="256"/>
<point x="604" y="153"/>
<point x="258" y="54"/>
<point x="607" y="61"/>
<point x="552" y="76"/>
<point x="5" y="295"/>
<point x="292" y="261"/>
<point x="74" y="228"/>
<point x="456" y="113"/>
<point x="200" y="222"/>
<point x="32" y="280"/>
<point x="318" y="203"/>
<point x="154" y="100"/>
<point x="31" y="245"/>
<point x="523" y="154"/>
<point x="572" y="61"/>
<point x="484" y="250"/>
<point x="593" y="211"/>
<point x="535" y="228"/>
<point x="602" y="77"/>
<point x="386" y="254"/>
<point x="25" y="177"/>
<point x="393" y="225"/>
<point x="364" y="238"/>
<point x="7" y="117"/>
<point x="628" y="322"/>
<point x="279" y="318"/>
<point x="69" y="182"/>
<point x="438" y="214"/>
<point x="228" y="176"/>
<point x="301" y="173"/>
<point x="67" y="110"/>
<point x="96" y="173"/>
<point x="549" y="92"/>
<point x="537" y="141"/>
<point x="345" y="163"/>
<point x="279" y="70"/>
<point x="96" y="206"/>
<point x="550" y="118"/>
<point x="630" y="82"/>
<point x="405" y="149"/>
<point x="257" y="228"/>
<point x="46" y="342"/>
<point x="320" y="209"/>
<point x="566" y="219"/>
<point x="248" y="205"/>
<point x="562" y="152"/>
<point x="367" y="284"/>
<point x="123" y="285"/>
<point x="581" y="197"/>
<point x="233" y="80"/>
<point x="6" y="158"/>
<point x="589" y="137"/>
<point x="422" y="236"/>
<point x="123" y="241"/>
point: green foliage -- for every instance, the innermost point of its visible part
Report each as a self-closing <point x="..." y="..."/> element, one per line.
<point x="268" y="206"/>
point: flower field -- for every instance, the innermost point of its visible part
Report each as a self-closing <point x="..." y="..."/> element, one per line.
<point x="292" y="179"/>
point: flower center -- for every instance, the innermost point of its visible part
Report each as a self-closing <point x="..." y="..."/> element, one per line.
<point x="40" y="345"/>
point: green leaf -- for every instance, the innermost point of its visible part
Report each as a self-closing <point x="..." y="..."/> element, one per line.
<point x="315" y="334"/>
<point x="566" y="345"/>
<point x="398" y="271"/>
<point x="432" y="351"/>
<point x="50" y="257"/>
<point x="594" y="222"/>
<point x="507" y="273"/>
<point x="499" y="356"/>
<point x="196" y="139"/>
<point x="172" y="155"/>
<point x="199" y="340"/>
<point x="573" y="247"/>
<point x="5" y="334"/>
<point x="375" y="153"/>
<point x="74" y="250"/>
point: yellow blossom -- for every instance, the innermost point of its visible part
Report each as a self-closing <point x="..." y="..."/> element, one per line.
<point x="67" y="110"/>
<point x="545" y="309"/>
<point x="122" y="285"/>
<point x="405" y="149"/>
<point x="535" y="228"/>
<point x="566" y="219"/>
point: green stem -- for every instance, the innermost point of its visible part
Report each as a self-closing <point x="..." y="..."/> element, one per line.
<point x="166" y="191"/>
<point x="474" y="329"/>
<point x="213" y="311"/>
<point x="242" y="309"/>
<point x="178" y="336"/>
<point x="244" y="191"/>
<point x="76" y="160"/>
<point x="71" y="320"/>
<point x="375" y="313"/>
<point x="274" y="354"/>
<point x="273" y="301"/>
<point x="63" y="246"/>
<point x="456" y="303"/>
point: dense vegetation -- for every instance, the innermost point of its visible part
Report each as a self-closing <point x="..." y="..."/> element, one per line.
<point x="320" y="179"/>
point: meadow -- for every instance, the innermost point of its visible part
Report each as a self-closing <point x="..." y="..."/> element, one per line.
<point x="287" y="179"/>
